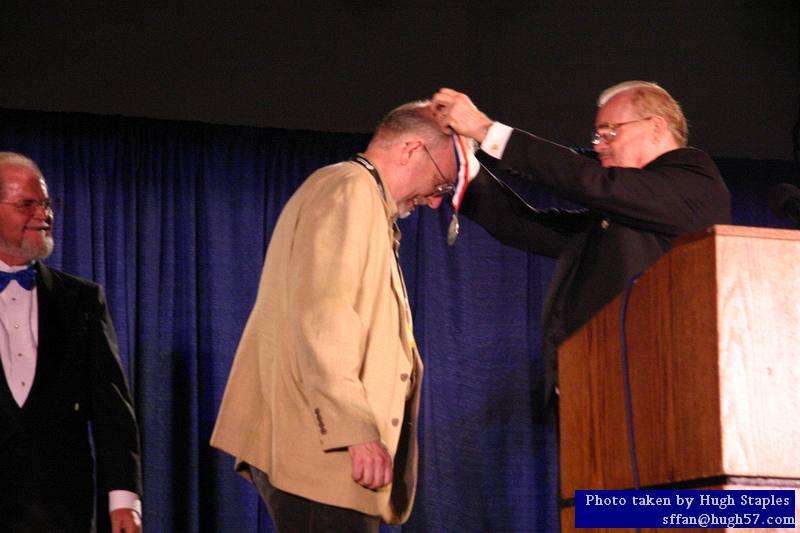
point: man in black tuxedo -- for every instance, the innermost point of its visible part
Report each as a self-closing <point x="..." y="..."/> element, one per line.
<point x="61" y="378"/>
<point x="647" y="188"/>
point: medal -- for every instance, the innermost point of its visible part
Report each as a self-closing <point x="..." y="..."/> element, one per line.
<point x="452" y="230"/>
<point x="462" y="179"/>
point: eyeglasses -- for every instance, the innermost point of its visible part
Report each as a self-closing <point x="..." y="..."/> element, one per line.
<point x="442" y="188"/>
<point x="607" y="132"/>
<point x="29" y="206"/>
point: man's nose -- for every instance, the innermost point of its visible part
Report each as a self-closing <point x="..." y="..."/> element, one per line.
<point x="433" y="201"/>
<point x="41" y="212"/>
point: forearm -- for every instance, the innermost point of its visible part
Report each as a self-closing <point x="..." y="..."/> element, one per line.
<point x="510" y="220"/>
<point x="679" y="191"/>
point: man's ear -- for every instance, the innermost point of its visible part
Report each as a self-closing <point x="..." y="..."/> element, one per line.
<point x="409" y="147"/>
<point x="660" y="128"/>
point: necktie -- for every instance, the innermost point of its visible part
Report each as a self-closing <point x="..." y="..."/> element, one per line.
<point x="26" y="278"/>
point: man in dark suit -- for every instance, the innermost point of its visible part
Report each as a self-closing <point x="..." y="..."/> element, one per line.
<point x="647" y="188"/>
<point x="61" y="378"/>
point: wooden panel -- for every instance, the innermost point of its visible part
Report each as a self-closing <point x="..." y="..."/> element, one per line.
<point x="759" y="298"/>
<point x="672" y="349"/>
<point x="722" y="230"/>
<point x="714" y="338"/>
<point x="672" y="324"/>
<point x="591" y="407"/>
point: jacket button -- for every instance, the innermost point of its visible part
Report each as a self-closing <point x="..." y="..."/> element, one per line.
<point x="604" y="224"/>
<point x="403" y="377"/>
<point x="395" y="422"/>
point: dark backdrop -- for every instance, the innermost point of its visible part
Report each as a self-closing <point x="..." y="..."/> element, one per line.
<point x="338" y="65"/>
<point x="173" y="218"/>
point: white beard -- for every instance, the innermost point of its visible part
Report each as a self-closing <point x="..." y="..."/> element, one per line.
<point x="29" y="250"/>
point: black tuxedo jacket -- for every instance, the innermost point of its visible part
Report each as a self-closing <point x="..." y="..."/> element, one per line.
<point x="46" y="464"/>
<point x="630" y="219"/>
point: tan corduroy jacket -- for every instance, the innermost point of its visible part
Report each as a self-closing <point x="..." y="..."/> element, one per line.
<point x="327" y="358"/>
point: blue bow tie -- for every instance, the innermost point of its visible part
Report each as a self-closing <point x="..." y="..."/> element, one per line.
<point x="26" y="278"/>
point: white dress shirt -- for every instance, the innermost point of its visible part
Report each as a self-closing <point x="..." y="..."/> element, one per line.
<point x="19" y="332"/>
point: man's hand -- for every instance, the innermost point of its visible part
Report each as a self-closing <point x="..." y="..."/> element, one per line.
<point x="125" y="520"/>
<point x="455" y="110"/>
<point x="372" y="464"/>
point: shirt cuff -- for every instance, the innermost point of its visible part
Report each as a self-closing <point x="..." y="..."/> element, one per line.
<point x="494" y="144"/>
<point x="124" y="499"/>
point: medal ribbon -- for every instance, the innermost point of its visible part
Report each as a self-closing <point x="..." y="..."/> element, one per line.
<point x="462" y="174"/>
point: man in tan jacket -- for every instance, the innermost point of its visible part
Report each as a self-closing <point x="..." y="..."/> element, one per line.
<point x="321" y="405"/>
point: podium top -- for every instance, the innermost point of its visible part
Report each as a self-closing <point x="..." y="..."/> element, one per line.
<point x="725" y="230"/>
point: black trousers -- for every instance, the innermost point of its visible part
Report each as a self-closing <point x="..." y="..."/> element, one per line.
<point x="295" y="514"/>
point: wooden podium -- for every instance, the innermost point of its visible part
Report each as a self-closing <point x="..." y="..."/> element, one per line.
<point x="713" y="336"/>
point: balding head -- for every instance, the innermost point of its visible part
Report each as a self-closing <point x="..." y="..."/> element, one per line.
<point x="13" y="158"/>
<point x="650" y="99"/>
<point x="411" y="118"/>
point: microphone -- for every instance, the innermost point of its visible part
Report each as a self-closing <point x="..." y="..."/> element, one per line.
<point x="784" y="202"/>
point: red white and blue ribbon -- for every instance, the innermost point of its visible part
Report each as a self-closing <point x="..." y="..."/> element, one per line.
<point x="462" y="166"/>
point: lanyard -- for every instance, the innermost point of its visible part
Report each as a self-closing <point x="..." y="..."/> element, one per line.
<point x="364" y="162"/>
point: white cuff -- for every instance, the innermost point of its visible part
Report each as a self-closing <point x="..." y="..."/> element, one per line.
<point x="124" y="499"/>
<point x="496" y="139"/>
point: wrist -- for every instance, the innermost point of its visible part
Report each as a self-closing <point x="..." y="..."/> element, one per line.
<point x="484" y="130"/>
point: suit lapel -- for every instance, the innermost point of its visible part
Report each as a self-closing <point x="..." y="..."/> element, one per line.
<point x="401" y="295"/>
<point x="397" y="281"/>
<point x="52" y="316"/>
<point x="9" y="413"/>
<point x="8" y="407"/>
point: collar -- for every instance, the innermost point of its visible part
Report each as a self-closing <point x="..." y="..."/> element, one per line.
<point x="8" y="268"/>
<point x="389" y="204"/>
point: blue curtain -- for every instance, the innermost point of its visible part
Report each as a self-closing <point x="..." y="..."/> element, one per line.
<point x="173" y="218"/>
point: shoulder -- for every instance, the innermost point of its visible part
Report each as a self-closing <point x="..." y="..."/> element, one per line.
<point x="60" y="281"/>
<point x="346" y="174"/>
<point x="686" y="155"/>
<point x="686" y="160"/>
<point x="341" y="183"/>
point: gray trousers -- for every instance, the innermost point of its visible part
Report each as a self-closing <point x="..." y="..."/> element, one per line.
<point x="295" y="514"/>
